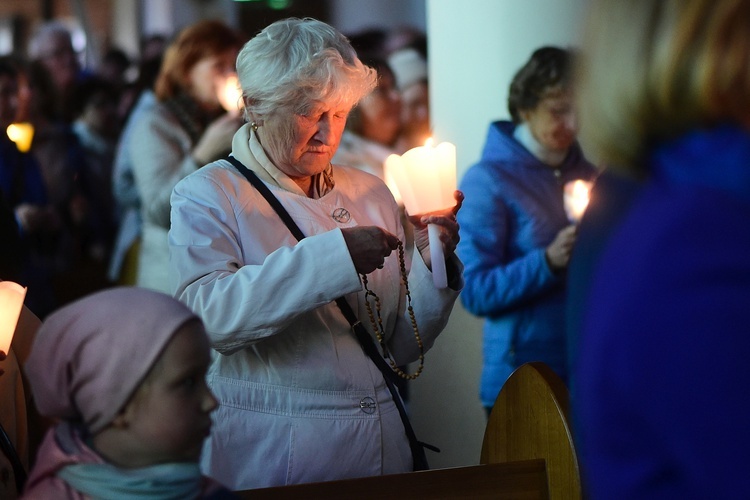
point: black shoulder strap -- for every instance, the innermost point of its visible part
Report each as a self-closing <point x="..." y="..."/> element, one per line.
<point x="364" y="339"/>
<point x="268" y="195"/>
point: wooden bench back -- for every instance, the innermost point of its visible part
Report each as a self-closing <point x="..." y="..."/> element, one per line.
<point x="530" y="420"/>
<point x="517" y="480"/>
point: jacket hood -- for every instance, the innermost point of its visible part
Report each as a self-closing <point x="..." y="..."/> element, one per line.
<point x="501" y="147"/>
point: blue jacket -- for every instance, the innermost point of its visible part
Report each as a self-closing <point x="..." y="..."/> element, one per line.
<point x="21" y="179"/>
<point x="513" y="210"/>
<point x="660" y="405"/>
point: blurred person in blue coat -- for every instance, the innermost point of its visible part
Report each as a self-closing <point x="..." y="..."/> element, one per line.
<point x="516" y="238"/>
<point x="659" y="407"/>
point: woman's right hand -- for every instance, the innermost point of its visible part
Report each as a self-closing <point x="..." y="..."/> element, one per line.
<point x="369" y="246"/>
<point x="216" y="139"/>
<point x="558" y="252"/>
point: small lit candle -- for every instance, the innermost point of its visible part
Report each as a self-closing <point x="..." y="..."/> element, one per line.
<point x="21" y="134"/>
<point x="426" y="180"/>
<point x="230" y="95"/>
<point x="576" y="199"/>
<point x="11" y="302"/>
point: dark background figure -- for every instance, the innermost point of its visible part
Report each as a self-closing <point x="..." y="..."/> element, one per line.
<point x="64" y="165"/>
<point x="51" y="45"/>
<point x="36" y="224"/>
<point x="96" y="128"/>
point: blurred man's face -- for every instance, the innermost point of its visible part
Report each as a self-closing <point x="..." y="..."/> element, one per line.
<point x="57" y="54"/>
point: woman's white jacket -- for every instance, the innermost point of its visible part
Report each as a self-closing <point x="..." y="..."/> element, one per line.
<point x="299" y="400"/>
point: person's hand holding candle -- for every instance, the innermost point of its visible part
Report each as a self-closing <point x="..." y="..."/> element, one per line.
<point x="445" y="222"/>
<point x="426" y="180"/>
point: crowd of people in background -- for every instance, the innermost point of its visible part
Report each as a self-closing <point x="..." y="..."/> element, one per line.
<point x="61" y="189"/>
<point x="76" y="194"/>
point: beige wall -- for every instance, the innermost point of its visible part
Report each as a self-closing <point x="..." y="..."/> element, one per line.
<point x="475" y="47"/>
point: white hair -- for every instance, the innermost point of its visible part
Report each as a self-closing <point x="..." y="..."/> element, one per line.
<point x="44" y="34"/>
<point x="294" y="63"/>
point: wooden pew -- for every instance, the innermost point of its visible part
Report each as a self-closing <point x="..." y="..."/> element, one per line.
<point x="514" y="480"/>
<point x="527" y="453"/>
<point x="530" y="420"/>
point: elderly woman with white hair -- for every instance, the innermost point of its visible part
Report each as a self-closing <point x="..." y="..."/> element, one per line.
<point x="299" y="398"/>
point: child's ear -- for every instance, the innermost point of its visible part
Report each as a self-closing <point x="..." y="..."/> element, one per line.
<point x="121" y="420"/>
<point x="125" y="417"/>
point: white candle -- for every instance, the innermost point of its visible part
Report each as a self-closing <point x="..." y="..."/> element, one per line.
<point x="426" y="179"/>
<point x="576" y="199"/>
<point x="230" y="95"/>
<point x="11" y="302"/>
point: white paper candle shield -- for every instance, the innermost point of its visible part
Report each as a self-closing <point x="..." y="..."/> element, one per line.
<point x="426" y="179"/>
<point x="11" y="301"/>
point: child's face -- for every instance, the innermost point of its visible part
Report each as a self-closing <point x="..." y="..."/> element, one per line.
<point x="169" y="415"/>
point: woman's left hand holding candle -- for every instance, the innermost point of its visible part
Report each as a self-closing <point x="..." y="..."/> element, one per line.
<point x="445" y="220"/>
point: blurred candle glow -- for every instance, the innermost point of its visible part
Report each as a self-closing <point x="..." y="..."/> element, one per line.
<point x="576" y="199"/>
<point x="230" y="95"/>
<point x="426" y="180"/>
<point x="11" y="302"/>
<point x="21" y="134"/>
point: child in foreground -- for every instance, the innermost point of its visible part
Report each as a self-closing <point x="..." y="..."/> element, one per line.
<point x="123" y="371"/>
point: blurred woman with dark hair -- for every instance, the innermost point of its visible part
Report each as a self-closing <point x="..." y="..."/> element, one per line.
<point x="516" y="238"/>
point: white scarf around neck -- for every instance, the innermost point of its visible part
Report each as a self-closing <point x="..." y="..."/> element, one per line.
<point x="550" y="157"/>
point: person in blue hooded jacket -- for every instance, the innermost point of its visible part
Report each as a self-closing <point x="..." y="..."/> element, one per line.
<point x="516" y="238"/>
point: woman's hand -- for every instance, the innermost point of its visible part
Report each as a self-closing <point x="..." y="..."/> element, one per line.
<point x="558" y="252"/>
<point x="216" y="139"/>
<point x="369" y="246"/>
<point x="446" y="220"/>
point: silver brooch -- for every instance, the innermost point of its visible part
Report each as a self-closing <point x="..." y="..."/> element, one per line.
<point x="341" y="215"/>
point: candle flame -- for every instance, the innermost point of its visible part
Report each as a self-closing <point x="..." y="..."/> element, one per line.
<point x="576" y="199"/>
<point x="428" y="142"/>
<point x="22" y="134"/>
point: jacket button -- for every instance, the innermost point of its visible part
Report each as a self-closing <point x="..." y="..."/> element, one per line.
<point x="367" y="405"/>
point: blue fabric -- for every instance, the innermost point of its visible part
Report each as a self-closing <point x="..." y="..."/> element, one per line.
<point x="661" y="410"/>
<point x="20" y="177"/>
<point x="610" y="198"/>
<point x="512" y="211"/>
